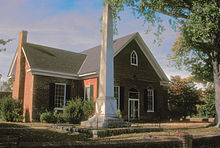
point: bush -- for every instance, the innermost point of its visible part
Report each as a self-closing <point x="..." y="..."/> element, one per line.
<point x="119" y="113"/>
<point x="59" y="118"/>
<point x="11" y="109"/>
<point x="88" y="109"/>
<point x="47" y="117"/>
<point x="73" y="112"/>
<point x="52" y="117"/>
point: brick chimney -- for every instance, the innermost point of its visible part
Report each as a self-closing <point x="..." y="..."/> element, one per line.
<point x="18" y="84"/>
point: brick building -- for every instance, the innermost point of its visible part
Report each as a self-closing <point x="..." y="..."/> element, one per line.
<point x="45" y="78"/>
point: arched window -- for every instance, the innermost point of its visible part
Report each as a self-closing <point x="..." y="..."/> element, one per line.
<point x="134" y="58"/>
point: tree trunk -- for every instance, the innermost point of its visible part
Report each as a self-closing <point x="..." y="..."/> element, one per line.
<point x="216" y="74"/>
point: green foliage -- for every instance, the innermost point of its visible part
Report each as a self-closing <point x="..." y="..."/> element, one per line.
<point x="119" y="113"/>
<point x="3" y="43"/>
<point x="78" y="110"/>
<point x="58" y="117"/>
<point x="183" y="98"/>
<point x="207" y="109"/>
<point x="11" y="109"/>
<point x="47" y="117"/>
<point x="88" y="108"/>
<point x="198" y="21"/>
<point x="73" y="112"/>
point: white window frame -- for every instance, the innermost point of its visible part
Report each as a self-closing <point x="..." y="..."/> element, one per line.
<point x="136" y="58"/>
<point x="85" y="87"/>
<point x="133" y="99"/>
<point x="152" y="91"/>
<point x="118" y="100"/>
<point x="64" y="103"/>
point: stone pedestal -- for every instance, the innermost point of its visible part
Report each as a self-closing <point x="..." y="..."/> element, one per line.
<point x="106" y="115"/>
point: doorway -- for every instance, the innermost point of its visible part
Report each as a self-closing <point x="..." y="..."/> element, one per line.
<point x="133" y="104"/>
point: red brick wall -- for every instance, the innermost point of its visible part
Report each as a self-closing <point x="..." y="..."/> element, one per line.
<point x="18" y="84"/>
<point x="28" y="95"/>
<point x="94" y="82"/>
<point x="140" y="77"/>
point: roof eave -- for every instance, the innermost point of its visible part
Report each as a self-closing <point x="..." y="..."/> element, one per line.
<point x="12" y="65"/>
<point x="151" y="58"/>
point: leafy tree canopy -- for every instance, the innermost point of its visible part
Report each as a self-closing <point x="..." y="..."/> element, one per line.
<point x="197" y="20"/>
<point x="207" y="109"/>
<point x="3" y="43"/>
<point x="183" y="97"/>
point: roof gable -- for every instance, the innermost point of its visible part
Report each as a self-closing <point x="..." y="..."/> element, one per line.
<point x="51" y="59"/>
<point x="92" y="61"/>
<point x="70" y="64"/>
<point x="91" y="64"/>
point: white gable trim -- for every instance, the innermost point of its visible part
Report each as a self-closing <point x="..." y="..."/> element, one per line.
<point x="118" y="51"/>
<point x="147" y="54"/>
<point x="13" y="65"/>
<point x="25" y="56"/>
<point x="151" y="58"/>
<point x="52" y="73"/>
<point x="87" y="74"/>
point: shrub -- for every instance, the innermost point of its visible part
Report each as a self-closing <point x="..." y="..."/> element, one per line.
<point x="88" y="109"/>
<point x="73" y="112"/>
<point x="47" y="117"/>
<point x="58" y="117"/>
<point x="11" y="109"/>
<point x="119" y="113"/>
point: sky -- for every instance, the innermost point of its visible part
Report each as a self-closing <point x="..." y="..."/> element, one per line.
<point x="73" y="25"/>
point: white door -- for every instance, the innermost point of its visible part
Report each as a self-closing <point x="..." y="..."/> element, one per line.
<point x="133" y="105"/>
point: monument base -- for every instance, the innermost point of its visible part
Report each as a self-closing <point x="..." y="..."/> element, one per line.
<point x="100" y="121"/>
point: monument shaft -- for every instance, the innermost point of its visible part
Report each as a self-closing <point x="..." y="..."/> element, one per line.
<point x="106" y="106"/>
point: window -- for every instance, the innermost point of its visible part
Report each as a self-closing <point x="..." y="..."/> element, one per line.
<point x="88" y="92"/>
<point x="150" y="100"/>
<point x="60" y="96"/>
<point x="117" y="95"/>
<point x="134" y="58"/>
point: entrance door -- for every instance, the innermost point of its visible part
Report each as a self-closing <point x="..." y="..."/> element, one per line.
<point x="133" y="105"/>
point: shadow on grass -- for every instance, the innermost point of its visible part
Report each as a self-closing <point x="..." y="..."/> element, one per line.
<point x="27" y="134"/>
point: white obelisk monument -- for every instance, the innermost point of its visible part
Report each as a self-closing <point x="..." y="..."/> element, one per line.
<point x="106" y="106"/>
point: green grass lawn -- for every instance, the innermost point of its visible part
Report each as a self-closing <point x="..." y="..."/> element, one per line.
<point x="41" y="132"/>
<point x="36" y="133"/>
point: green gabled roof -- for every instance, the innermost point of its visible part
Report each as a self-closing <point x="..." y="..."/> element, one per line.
<point x="52" y="59"/>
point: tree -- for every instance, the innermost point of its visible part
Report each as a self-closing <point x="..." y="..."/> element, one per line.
<point x="183" y="98"/>
<point x="6" y="85"/>
<point x="207" y="109"/>
<point x="198" y="47"/>
<point x="3" y="43"/>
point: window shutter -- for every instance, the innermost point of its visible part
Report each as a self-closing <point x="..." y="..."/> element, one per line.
<point x="121" y="98"/>
<point x="155" y="101"/>
<point x="68" y="92"/>
<point x="51" y="96"/>
<point x="91" y="92"/>
<point x="145" y="100"/>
